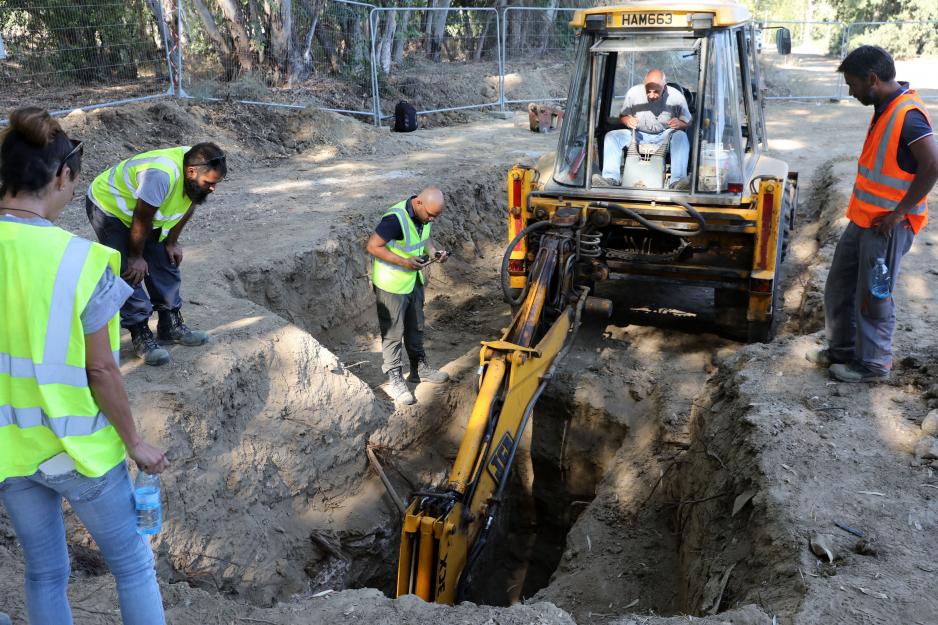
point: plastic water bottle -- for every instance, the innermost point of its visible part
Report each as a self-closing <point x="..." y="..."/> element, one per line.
<point x="147" y="502"/>
<point x="879" y="280"/>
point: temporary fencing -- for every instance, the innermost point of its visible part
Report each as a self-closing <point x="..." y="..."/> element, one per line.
<point x="67" y="54"/>
<point x="456" y="50"/>
<point x="538" y="48"/>
<point x="915" y="42"/>
<point x="357" y="58"/>
<point x="295" y="54"/>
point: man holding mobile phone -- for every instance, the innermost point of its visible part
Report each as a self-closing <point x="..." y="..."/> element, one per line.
<point x="401" y="247"/>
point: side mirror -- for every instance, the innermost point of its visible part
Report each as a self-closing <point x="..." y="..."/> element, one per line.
<point x="783" y="41"/>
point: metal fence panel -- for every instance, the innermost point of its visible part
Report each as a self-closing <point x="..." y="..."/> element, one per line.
<point x="907" y="40"/>
<point x="438" y="59"/>
<point x="538" y="45"/>
<point x="295" y="54"/>
<point x="810" y="71"/>
<point x="66" y="54"/>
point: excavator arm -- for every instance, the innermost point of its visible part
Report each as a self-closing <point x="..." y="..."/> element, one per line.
<point x="445" y="530"/>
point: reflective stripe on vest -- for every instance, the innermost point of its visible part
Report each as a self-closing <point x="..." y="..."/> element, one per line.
<point x="116" y="190"/>
<point x="46" y="406"/>
<point x="880" y="183"/>
<point x="392" y="278"/>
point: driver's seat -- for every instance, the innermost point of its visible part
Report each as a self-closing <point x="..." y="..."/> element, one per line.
<point x="645" y="163"/>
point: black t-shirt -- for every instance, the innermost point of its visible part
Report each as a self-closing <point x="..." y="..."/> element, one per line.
<point x="389" y="228"/>
<point x="914" y="128"/>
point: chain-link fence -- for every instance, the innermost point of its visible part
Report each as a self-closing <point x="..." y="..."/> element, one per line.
<point x="357" y="58"/>
<point x="66" y="54"/>
<point x="295" y="54"/>
<point x="538" y="46"/>
<point x="438" y="59"/>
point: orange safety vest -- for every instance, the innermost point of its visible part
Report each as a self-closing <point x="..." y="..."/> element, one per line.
<point x="881" y="183"/>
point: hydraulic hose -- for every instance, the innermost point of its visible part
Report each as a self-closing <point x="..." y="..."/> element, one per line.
<point x="631" y="214"/>
<point x="506" y="290"/>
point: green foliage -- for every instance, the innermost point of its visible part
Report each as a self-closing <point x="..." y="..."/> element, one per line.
<point x="78" y="41"/>
<point x="901" y="40"/>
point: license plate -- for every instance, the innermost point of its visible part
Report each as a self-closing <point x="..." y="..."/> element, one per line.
<point x="650" y="20"/>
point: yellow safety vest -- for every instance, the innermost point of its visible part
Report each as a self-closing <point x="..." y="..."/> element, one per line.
<point x="115" y="190"/>
<point x="46" y="407"/>
<point x="392" y="278"/>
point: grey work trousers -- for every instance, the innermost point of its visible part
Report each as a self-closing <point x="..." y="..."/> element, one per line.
<point x="163" y="279"/>
<point x="860" y="326"/>
<point x="400" y="317"/>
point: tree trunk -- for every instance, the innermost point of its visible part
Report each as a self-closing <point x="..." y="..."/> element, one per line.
<point x="400" y="39"/>
<point x="515" y="32"/>
<point x="325" y="39"/>
<point x="256" y="29"/>
<point x="239" y="35"/>
<point x="548" y="28"/>
<point x="357" y="39"/>
<point x="387" y="39"/>
<point x="483" y="37"/>
<point x="305" y="60"/>
<point x="279" y="15"/>
<point x="437" y="27"/>
<point x="226" y="56"/>
<point x="163" y="37"/>
<point x="468" y="37"/>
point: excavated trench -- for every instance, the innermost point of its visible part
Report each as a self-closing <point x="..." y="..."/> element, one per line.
<point x="657" y="545"/>
<point x="611" y="497"/>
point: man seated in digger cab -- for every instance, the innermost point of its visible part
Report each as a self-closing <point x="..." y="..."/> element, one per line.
<point x="656" y="116"/>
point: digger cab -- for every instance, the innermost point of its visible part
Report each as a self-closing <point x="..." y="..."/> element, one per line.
<point x="707" y="54"/>
<point x="696" y="202"/>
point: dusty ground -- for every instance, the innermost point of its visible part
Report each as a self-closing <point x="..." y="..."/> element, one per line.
<point x="689" y="471"/>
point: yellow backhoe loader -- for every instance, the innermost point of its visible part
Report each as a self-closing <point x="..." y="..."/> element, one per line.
<point x="724" y="226"/>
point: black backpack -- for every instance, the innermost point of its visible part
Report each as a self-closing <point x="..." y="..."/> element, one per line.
<point x="405" y="117"/>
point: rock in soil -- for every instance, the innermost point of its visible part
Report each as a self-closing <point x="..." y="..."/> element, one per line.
<point x="930" y="424"/>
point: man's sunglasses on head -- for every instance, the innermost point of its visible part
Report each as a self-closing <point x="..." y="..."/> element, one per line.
<point x="212" y="162"/>
<point x="77" y="148"/>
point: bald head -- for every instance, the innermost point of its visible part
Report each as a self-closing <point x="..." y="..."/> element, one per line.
<point x="654" y="84"/>
<point x="428" y="205"/>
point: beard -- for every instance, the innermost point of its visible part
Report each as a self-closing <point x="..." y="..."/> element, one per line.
<point x="194" y="192"/>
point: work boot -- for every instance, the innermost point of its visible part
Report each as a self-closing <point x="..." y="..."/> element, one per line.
<point x="145" y="345"/>
<point x="822" y="357"/>
<point x="421" y="371"/>
<point x="681" y="184"/>
<point x="172" y="329"/>
<point x="599" y="181"/>
<point x="855" y="372"/>
<point x="397" y="389"/>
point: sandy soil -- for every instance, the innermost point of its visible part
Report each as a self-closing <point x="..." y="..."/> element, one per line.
<point x="693" y="470"/>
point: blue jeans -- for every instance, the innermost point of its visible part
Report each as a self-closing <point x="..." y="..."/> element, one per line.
<point x="617" y="140"/>
<point x="163" y="281"/>
<point x="105" y="505"/>
<point x="859" y="326"/>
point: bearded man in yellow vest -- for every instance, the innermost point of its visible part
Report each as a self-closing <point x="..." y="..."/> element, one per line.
<point x="896" y="170"/>
<point x="402" y="247"/>
<point x="139" y="207"/>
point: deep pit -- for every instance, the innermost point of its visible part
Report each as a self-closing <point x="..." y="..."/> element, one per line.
<point x="579" y="437"/>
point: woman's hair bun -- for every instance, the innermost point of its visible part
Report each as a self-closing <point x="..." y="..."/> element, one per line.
<point x="35" y="125"/>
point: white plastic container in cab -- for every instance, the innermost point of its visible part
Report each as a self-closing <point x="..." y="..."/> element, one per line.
<point x="717" y="168"/>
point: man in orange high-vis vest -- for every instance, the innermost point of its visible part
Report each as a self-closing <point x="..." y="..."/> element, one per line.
<point x="896" y="170"/>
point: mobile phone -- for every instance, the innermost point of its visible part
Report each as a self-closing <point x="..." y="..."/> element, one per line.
<point x="57" y="464"/>
<point x="423" y="260"/>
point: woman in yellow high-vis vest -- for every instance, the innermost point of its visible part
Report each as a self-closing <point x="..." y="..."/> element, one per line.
<point x="65" y="419"/>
